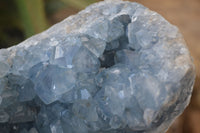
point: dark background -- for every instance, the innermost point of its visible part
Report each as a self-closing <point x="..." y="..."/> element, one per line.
<point x="20" y="19"/>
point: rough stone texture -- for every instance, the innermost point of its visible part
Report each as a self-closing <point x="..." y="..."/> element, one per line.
<point x="115" y="67"/>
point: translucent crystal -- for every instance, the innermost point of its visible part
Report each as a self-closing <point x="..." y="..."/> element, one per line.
<point x="115" y="67"/>
<point x="52" y="81"/>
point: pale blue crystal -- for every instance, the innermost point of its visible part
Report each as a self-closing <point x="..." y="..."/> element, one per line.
<point x="33" y="130"/>
<point x="115" y="67"/>
<point x="56" y="127"/>
<point x="52" y="81"/>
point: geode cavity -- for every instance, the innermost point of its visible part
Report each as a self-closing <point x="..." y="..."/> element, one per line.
<point x="115" y="67"/>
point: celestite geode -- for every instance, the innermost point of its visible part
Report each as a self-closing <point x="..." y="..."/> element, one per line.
<point x="115" y="67"/>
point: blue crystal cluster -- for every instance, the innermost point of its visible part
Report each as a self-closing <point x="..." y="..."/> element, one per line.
<point x="115" y="67"/>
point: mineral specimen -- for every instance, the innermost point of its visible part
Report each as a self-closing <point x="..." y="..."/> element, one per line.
<point x="115" y="67"/>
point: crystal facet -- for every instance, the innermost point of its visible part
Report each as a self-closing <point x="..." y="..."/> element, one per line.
<point x="115" y="67"/>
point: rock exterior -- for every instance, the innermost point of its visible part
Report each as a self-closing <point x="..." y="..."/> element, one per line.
<point x="115" y="67"/>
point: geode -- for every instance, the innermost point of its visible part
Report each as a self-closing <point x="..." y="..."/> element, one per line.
<point x="115" y="67"/>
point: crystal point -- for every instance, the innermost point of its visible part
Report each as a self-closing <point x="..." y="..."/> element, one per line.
<point x="115" y="67"/>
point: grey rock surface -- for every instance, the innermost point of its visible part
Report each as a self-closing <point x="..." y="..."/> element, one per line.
<point x="115" y="67"/>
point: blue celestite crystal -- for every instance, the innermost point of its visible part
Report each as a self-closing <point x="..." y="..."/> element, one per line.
<point x="115" y="67"/>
